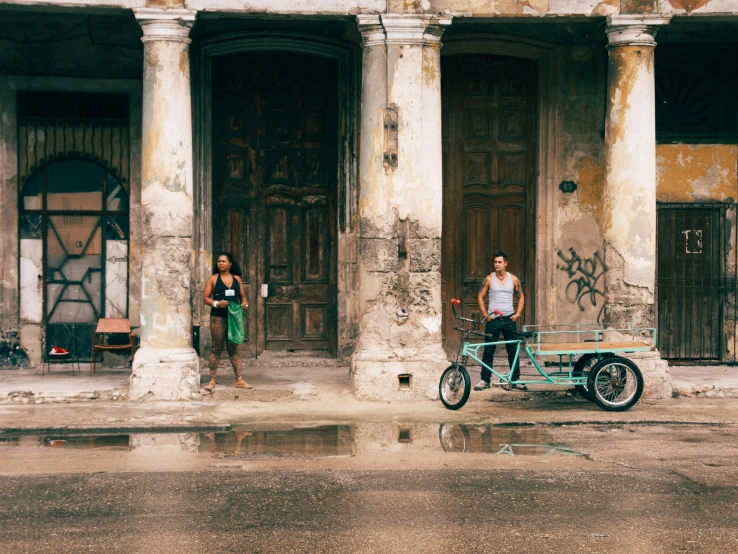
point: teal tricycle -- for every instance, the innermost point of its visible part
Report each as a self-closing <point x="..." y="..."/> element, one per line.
<point x="586" y="361"/>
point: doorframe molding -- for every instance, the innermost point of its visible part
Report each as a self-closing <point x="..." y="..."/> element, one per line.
<point x="346" y="54"/>
<point x="544" y="55"/>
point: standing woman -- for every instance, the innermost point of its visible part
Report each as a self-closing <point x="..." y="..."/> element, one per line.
<point x="224" y="286"/>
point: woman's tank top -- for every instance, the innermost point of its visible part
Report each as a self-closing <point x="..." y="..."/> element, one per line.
<point x="219" y="294"/>
<point x="501" y="295"/>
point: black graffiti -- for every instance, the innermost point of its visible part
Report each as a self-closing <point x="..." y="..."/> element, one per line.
<point x="585" y="277"/>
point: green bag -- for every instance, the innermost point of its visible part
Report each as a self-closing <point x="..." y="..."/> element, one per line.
<point x="235" y="323"/>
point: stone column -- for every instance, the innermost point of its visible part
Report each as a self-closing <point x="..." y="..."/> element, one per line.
<point x="166" y="366"/>
<point x="399" y="352"/>
<point x="629" y="214"/>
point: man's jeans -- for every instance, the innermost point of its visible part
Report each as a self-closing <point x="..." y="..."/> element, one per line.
<point x="509" y="332"/>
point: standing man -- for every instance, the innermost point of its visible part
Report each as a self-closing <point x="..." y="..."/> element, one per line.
<point x="501" y="287"/>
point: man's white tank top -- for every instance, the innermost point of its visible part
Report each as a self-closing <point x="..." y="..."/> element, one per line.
<point x="501" y="295"/>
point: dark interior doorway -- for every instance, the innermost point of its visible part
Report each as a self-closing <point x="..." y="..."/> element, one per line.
<point x="489" y="177"/>
<point x="275" y="170"/>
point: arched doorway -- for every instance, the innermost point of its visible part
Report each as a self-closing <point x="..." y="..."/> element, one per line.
<point x="74" y="231"/>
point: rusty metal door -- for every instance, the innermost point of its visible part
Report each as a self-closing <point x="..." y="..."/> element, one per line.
<point x="489" y="172"/>
<point x="275" y="173"/>
<point x="692" y="281"/>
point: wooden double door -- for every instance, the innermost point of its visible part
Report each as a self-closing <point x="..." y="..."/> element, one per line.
<point x="274" y="193"/>
<point x="489" y="176"/>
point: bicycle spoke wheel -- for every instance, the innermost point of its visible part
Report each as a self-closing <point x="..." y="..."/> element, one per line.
<point x="615" y="384"/>
<point x="454" y="387"/>
<point x="582" y="367"/>
<point x="453" y="437"/>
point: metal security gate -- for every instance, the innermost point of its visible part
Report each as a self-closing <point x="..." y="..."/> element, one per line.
<point x="696" y="282"/>
<point x="74" y="172"/>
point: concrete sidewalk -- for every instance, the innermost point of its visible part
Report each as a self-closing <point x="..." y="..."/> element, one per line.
<point x="710" y="381"/>
<point x="287" y="380"/>
<point x="271" y="382"/>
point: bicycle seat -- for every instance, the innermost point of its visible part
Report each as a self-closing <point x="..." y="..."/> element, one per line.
<point x="525" y="334"/>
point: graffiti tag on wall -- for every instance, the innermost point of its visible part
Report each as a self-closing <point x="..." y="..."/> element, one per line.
<point x="585" y="280"/>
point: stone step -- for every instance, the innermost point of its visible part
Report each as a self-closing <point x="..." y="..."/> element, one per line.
<point x="282" y="362"/>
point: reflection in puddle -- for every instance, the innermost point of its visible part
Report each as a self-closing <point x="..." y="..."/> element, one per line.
<point x="106" y="442"/>
<point x="313" y="442"/>
<point x="323" y="441"/>
<point x="531" y="441"/>
<point x="327" y="440"/>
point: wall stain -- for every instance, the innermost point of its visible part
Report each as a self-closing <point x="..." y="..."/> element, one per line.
<point x="591" y="185"/>
<point x="689" y="172"/>
<point x="625" y="64"/>
<point x="639" y="6"/>
<point x="184" y="63"/>
<point x="541" y="6"/>
<point x="688" y="5"/>
<point x="165" y="3"/>
<point x="606" y="7"/>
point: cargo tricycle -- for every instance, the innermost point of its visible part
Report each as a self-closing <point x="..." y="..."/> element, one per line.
<point x="589" y="359"/>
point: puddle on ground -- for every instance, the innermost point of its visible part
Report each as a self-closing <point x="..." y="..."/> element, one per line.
<point x="504" y="441"/>
<point x="316" y="442"/>
<point x="323" y="441"/>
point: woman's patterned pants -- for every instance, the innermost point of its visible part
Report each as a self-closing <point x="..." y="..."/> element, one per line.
<point x="219" y="333"/>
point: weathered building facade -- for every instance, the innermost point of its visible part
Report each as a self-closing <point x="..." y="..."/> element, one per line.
<point x="364" y="160"/>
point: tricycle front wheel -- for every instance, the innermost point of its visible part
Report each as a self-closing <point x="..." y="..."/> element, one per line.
<point x="615" y="384"/>
<point x="454" y="387"/>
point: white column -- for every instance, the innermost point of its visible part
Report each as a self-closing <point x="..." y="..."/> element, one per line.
<point x="629" y="218"/>
<point x="629" y="214"/>
<point x="166" y="366"/>
<point x="400" y="208"/>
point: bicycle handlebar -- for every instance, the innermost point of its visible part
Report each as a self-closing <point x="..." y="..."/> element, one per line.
<point x="455" y="302"/>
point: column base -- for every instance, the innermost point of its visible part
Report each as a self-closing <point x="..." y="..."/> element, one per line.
<point x="165" y="374"/>
<point x="392" y="379"/>
<point x="656" y="375"/>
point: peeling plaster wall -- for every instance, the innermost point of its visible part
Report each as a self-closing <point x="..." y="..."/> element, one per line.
<point x="696" y="172"/>
<point x="483" y="8"/>
<point x="578" y="254"/>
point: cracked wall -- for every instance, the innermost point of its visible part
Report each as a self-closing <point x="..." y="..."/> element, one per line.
<point x="578" y="254"/>
<point x="684" y="173"/>
<point x="400" y="208"/>
<point x="166" y="198"/>
<point x="457" y="8"/>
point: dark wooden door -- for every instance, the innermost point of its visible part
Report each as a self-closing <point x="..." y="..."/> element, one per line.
<point x="690" y="281"/>
<point x="489" y="172"/>
<point x="274" y="179"/>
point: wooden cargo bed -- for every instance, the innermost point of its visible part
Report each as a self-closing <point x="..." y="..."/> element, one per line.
<point x="583" y="347"/>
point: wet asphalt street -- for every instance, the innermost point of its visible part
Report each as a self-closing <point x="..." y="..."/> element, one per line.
<point x="375" y="488"/>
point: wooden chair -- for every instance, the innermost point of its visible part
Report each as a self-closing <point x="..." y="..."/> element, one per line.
<point x="110" y="326"/>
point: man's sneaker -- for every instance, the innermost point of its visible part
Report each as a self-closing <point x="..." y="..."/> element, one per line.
<point x="482" y="385"/>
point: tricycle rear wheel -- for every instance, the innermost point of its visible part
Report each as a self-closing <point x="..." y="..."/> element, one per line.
<point x="454" y="387"/>
<point x="582" y="367"/>
<point x="615" y="384"/>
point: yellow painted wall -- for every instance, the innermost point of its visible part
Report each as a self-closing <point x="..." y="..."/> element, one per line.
<point x="690" y="172"/>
